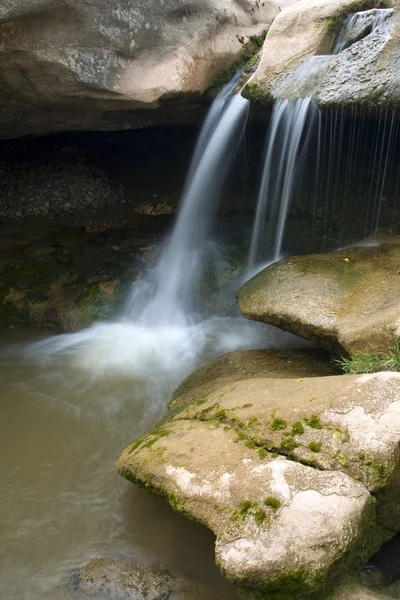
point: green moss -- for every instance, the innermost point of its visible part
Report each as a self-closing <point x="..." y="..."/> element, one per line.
<point x="272" y="502"/>
<point x="254" y="92"/>
<point x="262" y="453"/>
<point x="341" y="458"/>
<point x="156" y="434"/>
<point x="315" y="446"/>
<point x="374" y="470"/>
<point x="297" y="428"/>
<point x="313" y="422"/>
<point x="136" y="445"/>
<point x="289" y="443"/>
<point x="243" y="510"/>
<point x="250" y="49"/>
<point x="201" y="400"/>
<point x="277" y="424"/>
<point x="248" y="405"/>
<point x="260" y="516"/>
<point x="173" y="500"/>
<point x="148" y="440"/>
<point x="220" y="415"/>
<point x="250" y="444"/>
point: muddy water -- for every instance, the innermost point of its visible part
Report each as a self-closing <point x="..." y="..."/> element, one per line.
<point x="61" y="501"/>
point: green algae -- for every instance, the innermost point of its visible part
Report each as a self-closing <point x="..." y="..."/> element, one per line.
<point x="272" y="502"/>
<point x="297" y="429"/>
<point x="315" y="446"/>
<point x="313" y="422"/>
<point x="289" y="443"/>
<point x="277" y="424"/>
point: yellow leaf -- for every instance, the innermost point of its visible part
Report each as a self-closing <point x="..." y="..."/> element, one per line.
<point x="298" y="381"/>
<point x="346" y="260"/>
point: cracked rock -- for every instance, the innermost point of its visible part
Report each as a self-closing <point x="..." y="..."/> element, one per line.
<point x="297" y="478"/>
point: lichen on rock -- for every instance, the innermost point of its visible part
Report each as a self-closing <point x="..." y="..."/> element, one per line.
<point x="293" y="507"/>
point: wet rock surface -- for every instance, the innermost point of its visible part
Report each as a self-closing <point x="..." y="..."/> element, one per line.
<point x="69" y="276"/>
<point x="367" y="71"/>
<point x="345" y="301"/>
<point x="286" y="472"/>
<point x="123" y="579"/>
<point x="355" y="591"/>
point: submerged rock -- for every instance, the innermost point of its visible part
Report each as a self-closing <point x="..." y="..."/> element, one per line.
<point x="297" y="477"/>
<point x="123" y="579"/>
<point x="355" y="591"/>
<point x="346" y="301"/>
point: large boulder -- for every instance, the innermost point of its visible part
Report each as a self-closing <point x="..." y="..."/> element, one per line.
<point x="297" y="477"/>
<point x="345" y="301"/>
<point x="297" y="61"/>
<point x="88" y="64"/>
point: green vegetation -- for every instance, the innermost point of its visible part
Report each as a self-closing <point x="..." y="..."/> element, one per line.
<point x="315" y="446"/>
<point x="370" y="361"/>
<point x="244" y="508"/>
<point x="313" y="422"/>
<point x="260" y="516"/>
<point x="277" y="424"/>
<point x="250" y="444"/>
<point x="262" y="453"/>
<point x="334" y="23"/>
<point x="272" y="502"/>
<point x="297" y="428"/>
<point x="247" y="507"/>
<point x="149" y="439"/>
<point x="289" y="443"/>
<point x="249" y="49"/>
<point x="256" y="93"/>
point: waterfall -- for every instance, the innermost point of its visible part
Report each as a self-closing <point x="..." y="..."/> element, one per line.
<point x="168" y="293"/>
<point x="282" y="159"/>
<point x="358" y="26"/>
<point x="162" y="337"/>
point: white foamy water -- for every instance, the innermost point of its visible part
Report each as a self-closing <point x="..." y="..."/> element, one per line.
<point x="165" y="333"/>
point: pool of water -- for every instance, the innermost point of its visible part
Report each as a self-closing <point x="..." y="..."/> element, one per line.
<point x="61" y="500"/>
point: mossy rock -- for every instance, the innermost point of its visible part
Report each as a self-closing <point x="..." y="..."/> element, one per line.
<point x="346" y="301"/>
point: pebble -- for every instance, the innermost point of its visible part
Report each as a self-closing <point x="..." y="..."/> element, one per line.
<point x="65" y="184"/>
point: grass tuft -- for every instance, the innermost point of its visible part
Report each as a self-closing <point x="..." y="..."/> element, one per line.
<point x="370" y="361"/>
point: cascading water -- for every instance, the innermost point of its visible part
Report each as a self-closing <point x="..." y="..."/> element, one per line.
<point x="162" y="336"/>
<point x="283" y="153"/>
<point x="358" y="26"/>
<point x="167" y="295"/>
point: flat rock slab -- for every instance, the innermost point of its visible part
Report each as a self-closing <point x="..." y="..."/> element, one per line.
<point x="123" y="579"/>
<point x="345" y="301"/>
<point x="239" y="365"/>
<point x="298" y="477"/>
